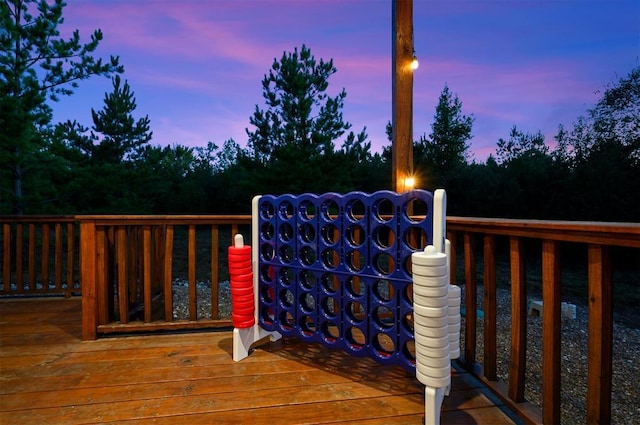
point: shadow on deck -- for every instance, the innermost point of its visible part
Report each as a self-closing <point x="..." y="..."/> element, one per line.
<point x="48" y="375"/>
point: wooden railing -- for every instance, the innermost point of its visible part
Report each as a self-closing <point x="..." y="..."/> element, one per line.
<point x="127" y="264"/>
<point x="598" y="237"/>
<point x="39" y="256"/>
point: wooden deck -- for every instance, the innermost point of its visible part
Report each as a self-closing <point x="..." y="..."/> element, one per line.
<point x="49" y="376"/>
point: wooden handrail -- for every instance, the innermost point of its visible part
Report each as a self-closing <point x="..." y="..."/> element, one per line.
<point x="598" y="237"/>
<point x="128" y="265"/>
<point x="32" y="248"/>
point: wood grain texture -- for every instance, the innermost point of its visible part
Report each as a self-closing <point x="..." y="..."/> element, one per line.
<point x="49" y="375"/>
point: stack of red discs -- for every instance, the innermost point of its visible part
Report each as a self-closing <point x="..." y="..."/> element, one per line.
<point x="242" y="300"/>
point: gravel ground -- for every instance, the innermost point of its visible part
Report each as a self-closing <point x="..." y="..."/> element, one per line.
<point x="626" y="353"/>
<point x="625" y="399"/>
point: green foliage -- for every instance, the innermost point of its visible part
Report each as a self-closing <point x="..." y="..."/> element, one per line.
<point x="111" y="155"/>
<point x="36" y="65"/>
<point x="447" y="147"/>
<point x="520" y="145"/>
<point x="292" y="147"/>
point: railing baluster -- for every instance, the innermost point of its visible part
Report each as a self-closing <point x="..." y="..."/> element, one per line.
<point x="101" y="276"/>
<point x="168" y="274"/>
<point x="70" y="260"/>
<point x="45" y="256"/>
<point x="215" y="270"/>
<point x="19" y="258"/>
<point x="489" y="296"/>
<point x="58" y="255"/>
<point x="146" y="272"/>
<point x="32" y="259"/>
<point x="471" y="302"/>
<point x="518" y="320"/>
<point x="193" y="293"/>
<point x="123" y="275"/>
<point x="600" y="336"/>
<point x="6" y="257"/>
<point x="551" y="332"/>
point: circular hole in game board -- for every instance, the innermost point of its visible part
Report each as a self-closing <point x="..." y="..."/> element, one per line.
<point x="409" y="350"/>
<point x="267" y="314"/>
<point x="384" y="263"/>
<point x="286" y="320"/>
<point x="267" y="252"/>
<point x="286" y="276"/>
<point x="267" y="231"/>
<point x="267" y="210"/>
<point x="407" y="322"/>
<point x="330" y="258"/>
<point x="330" y="307"/>
<point x="266" y="273"/>
<point x="307" y="210"/>
<point x="416" y="210"/>
<point x="355" y="260"/>
<point x="266" y="294"/>
<point x="307" y="325"/>
<point x="355" y="286"/>
<point x="384" y="290"/>
<point x="383" y="210"/>
<point x="415" y="237"/>
<point x="307" y="303"/>
<point x="356" y="338"/>
<point x="408" y="293"/>
<point x="286" y="298"/>
<point x="384" y="317"/>
<point x="355" y="235"/>
<point x="407" y="265"/>
<point x="384" y="237"/>
<point x="383" y="345"/>
<point x="307" y="279"/>
<point x="330" y="210"/>
<point x="330" y="234"/>
<point x="286" y="254"/>
<point x="330" y="283"/>
<point x="286" y="232"/>
<point x="307" y="255"/>
<point x="307" y="232"/>
<point x="355" y="210"/>
<point x="286" y="210"/>
<point x="356" y="311"/>
<point x="330" y="332"/>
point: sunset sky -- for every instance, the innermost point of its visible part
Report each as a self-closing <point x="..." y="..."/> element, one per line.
<point x="196" y="66"/>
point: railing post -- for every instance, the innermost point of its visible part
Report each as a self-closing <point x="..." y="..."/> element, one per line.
<point x="489" y="296"/>
<point x="550" y="332"/>
<point x="600" y="336"/>
<point x="88" y="279"/>
<point x="518" y="320"/>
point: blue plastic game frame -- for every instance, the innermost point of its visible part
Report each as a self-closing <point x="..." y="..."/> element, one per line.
<point x="335" y="269"/>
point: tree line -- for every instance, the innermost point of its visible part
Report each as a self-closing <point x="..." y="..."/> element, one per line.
<point x="297" y="141"/>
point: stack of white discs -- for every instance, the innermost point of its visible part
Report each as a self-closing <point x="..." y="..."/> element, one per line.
<point x="431" y="317"/>
<point x="454" y="321"/>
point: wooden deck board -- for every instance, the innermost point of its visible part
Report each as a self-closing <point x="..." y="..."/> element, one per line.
<point x="48" y="375"/>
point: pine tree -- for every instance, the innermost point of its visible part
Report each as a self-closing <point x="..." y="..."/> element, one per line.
<point x="36" y="65"/>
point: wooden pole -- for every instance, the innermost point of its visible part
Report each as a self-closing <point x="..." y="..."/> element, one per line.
<point x="402" y="93"/>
